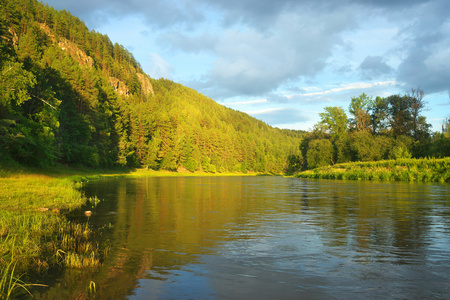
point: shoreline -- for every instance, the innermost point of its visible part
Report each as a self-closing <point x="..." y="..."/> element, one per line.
<point x="406" y="170"/>
<point x="34" y="204"/>
<point x="35" y="234"/>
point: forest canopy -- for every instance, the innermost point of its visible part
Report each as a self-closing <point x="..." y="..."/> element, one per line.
<point x="69" y="95"/>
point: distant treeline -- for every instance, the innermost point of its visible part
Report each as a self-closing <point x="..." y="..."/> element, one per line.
<point x="69" y="95"/>
<point x="378" y="129"/>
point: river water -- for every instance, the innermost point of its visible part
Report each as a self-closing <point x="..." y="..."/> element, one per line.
<point x="267" y="238"/>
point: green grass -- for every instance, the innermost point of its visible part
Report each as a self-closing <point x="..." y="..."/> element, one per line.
<point x="35" y="235"/>
<point x="9" y="282"/>
<point x="420" y="170"/>
<point x="151" y="173"/>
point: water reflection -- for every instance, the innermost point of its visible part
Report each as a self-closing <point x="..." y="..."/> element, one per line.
<point x="271" y="237"/>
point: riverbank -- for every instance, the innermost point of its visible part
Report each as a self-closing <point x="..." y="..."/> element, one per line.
<point x="35" y="234"/>
<point x="36" y="237"/>
<point x="420" y="170"/>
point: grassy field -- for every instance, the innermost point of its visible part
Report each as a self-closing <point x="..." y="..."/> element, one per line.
<point x="420" y="170"/>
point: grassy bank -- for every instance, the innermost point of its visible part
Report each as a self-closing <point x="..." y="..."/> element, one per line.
<point x="35" y="235"/>
<point x="421" y="170"/>
<point x="153" y="173"/>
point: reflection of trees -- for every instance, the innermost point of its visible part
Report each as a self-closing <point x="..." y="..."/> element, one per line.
<point x="390" y="217"/>
<point x="162" y="224"/>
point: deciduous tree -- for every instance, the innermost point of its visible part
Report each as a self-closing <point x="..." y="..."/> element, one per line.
<point x="334" y="121"/>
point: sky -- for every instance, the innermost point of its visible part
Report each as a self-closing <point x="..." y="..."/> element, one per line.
<point x="284" y="61"/>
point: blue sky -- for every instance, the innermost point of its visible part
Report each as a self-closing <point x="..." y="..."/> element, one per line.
<point x="283" y="61"/>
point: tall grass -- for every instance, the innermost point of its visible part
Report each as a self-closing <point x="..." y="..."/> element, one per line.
<point x="9" y="282"/>
<point x="33" y="226"/>
<point x="421" y="170"/>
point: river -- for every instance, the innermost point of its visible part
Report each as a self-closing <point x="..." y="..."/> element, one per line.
<point x="266" y="237"/>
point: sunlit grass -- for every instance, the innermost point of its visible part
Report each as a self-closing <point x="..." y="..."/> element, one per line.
<point x="75" y="260"/>
<point x="33" y="227"/>
<point x="420" y="170"/>
<point x="146" y="173"/>
<point x="25" y="193"/>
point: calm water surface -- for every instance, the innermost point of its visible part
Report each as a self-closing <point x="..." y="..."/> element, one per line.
<point x="268" y="238"/>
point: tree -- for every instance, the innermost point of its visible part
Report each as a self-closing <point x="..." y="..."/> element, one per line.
<point x="333" y="121"/>
<point x="379" y="115"/>
<point x="365" y="147"/>
<point x="399" y="116"/>
<point x="15" y="86"/>
<point x="294" y="163"/>
<point x="320" y="153"/>
<point x="359" y="108"/>
<point x="416" y="106"/>
<point x="446" y="127"/>
<point x="70" y="95"/>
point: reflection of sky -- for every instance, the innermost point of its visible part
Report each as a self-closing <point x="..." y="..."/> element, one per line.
<point x="189" y="283"/>
<point x="292" y="255"/>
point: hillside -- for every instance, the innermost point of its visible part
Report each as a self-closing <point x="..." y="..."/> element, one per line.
<point x="69" y="95"/>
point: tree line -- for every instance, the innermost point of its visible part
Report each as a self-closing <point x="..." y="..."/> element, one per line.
<point x="378" y="128"/>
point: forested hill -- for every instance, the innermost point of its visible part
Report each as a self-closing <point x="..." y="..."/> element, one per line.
<point x="69" y="95"/>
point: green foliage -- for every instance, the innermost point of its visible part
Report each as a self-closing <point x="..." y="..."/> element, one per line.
<point x="320" y="153"/>
<point x="379" y="115"/>
<point x="333" y="121"/>
<point x="400" y="152"/>
<point x="294" y="163"/>
<point x="70" y="95"/>
<point x="440" y="144"/>
<point x="359" y="108"/>
<point x="382" y="128"/>
<point x="14" y="87"/>
<point x="423" y="170"/>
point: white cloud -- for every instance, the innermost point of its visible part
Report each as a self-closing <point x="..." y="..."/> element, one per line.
<point x="260" y="45"/>
<point x="375" y="66"/>
<point x="245" y="102"/>
<point x="346" y="87"/>
<point x="158" y="67"/>
<point x="276" y="116"/>
<point x="265" y="111"/>
<point x="427" y="48"/>
<point x="251" y="62"/>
